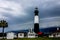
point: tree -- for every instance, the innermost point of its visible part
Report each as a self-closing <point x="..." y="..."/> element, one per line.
<point x="3" y="24"/>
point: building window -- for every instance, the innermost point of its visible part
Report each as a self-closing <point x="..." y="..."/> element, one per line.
<point x="31" y="34"/>
<point x="21" y="34"/>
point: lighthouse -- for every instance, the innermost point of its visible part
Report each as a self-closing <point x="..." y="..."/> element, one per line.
<point x="36" y="20"/>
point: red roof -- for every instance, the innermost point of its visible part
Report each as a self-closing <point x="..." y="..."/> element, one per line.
<point x="39" y="33"/>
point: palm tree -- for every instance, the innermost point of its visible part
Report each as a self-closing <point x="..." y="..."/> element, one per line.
<point x="3" y="24"/>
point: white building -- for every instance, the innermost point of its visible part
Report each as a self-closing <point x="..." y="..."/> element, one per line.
<point x="31" y="34"/>
<point x="10" y="35"/>
<point x="55" y="34"/>
<point x="50" y="36"/>
<point x="20" y="35"/>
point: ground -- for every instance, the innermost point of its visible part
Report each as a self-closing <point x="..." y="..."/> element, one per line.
<point x="41" y="38"/>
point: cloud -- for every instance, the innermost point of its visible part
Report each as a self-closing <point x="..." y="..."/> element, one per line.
<point x="12" y="8"/>
<point x="50" y="22"/>
<point x="21" y="13"/>
<point x="23" y="26"/>
<point x="44" y="23"/>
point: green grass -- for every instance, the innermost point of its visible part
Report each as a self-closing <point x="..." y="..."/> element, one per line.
<point x="41" y="38"/>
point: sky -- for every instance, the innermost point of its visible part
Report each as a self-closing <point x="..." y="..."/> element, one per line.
<point x="20" y="13"/>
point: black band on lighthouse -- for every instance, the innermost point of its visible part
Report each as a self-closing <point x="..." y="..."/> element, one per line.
<point x="36" y="27"/>
<point x="36" y="11"/>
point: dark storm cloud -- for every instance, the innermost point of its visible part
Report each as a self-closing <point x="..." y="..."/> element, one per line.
<point x="47" y="9"/>
<point x="46" y="13"/>
<point x="55" y="11"/>
<point x="16" y="20"/>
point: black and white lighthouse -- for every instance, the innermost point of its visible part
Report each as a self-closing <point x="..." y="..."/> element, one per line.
<point x="36" y="21"/>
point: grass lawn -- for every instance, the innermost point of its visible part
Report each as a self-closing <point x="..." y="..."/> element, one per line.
<point x="36" y="39"/>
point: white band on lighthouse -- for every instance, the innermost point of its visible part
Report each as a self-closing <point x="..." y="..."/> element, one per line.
<point x="36" y="19"/>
